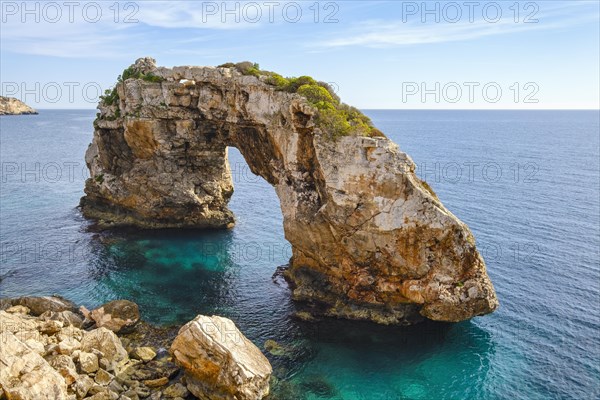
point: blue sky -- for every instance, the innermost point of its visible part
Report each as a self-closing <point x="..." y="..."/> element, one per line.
<point x="398" y="55"/>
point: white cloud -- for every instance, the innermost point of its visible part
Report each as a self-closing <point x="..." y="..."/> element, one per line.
<point x="411" y="31"/>
<point x="162" y="25"/>
<point x="81" y="34"/>
<point x="202" y="15"/>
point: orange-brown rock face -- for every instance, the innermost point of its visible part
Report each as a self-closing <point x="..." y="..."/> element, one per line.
<point x="369" y="240"/>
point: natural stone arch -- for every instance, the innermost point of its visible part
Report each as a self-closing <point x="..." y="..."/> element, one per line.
<point x="369" y="239"/>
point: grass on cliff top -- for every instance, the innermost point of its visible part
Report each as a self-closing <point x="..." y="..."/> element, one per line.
<point x="333" y="116"/>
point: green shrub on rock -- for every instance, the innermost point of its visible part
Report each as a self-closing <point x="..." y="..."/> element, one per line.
<point x="277" y="80"/>
<point x="131" y="73"/>
<point x="247" y="68"/>
<point x="334" y="122"/>
<point x="337" y="118"/>
<point x="110" y="97"/>
<point x="331" y="91"/>
<point x="295" y="83"/>
<point x="315" y="94"/>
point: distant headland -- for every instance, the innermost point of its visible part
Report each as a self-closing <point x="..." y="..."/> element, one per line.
<point x="12" y="106"/>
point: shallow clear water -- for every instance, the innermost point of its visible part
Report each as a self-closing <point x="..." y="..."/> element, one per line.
<point x="526" y="182"/>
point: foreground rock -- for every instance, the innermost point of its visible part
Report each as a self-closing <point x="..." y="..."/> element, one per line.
<point x="24" y="374"/>
<point x="12" y="106"/>
<point x="39" y="305"/>
<point x="116" y="315"/>
<point x="220" y="362"/>
<point x="369" y="239"/>
<point x="51" y="357"/>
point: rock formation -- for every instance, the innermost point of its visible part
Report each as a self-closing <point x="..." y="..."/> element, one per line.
<point x="220" y="362"/>
<point x="47" y="357"/>
<point x="39" y="305"/>
<point x="369" y="239"/>
<point x="12" y="106"/>
<point x="116" y="315"/>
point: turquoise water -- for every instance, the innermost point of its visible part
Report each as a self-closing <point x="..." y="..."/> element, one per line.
<point x="526" y="182"/>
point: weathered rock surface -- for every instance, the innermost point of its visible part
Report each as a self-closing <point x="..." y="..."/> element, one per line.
<point x="25" y="375"/>
<point x="88" y="362"/>
<point x="48" y="357"/>
<point x="106" y="342"/>
<point x="369" y="239"/>
<point x="219" y="361"/>
<point x="12" y="106"/>
<point x="67" y="317"/>
<point x="116" y="315"/>
<point x="42" y="358"/>
<point x="143" y="353"/>
<point x="39" y="305"/>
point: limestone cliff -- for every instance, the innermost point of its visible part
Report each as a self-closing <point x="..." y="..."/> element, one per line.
<point x="369" y="239"/>
<point x="12" y="106"/>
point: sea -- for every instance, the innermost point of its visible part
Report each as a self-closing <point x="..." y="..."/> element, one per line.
<point x="526" y="182"/>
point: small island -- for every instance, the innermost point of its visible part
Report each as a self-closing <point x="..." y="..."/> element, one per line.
<point x="12" y="106"/>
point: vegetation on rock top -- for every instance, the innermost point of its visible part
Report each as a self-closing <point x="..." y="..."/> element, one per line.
<point x="131" y="73"/>
<point x="335" y="117"/>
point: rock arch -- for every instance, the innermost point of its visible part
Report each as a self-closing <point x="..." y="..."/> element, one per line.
<point x="369" y="239"/>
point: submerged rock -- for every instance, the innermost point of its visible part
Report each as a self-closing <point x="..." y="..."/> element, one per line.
<point x="370" y="240"/>
<point x="275" y="348"/>
<point x="285" y="390"/>
<point x="219" y="361"/>
<point x="12" y="106"/>
<point x="318" y="385"/>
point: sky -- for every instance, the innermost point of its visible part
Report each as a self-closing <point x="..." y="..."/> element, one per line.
<point x="376" y="54"/>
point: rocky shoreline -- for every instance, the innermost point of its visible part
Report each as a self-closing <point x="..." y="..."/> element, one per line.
<point x="12" y="106"/>
<point x="52" y="349"/>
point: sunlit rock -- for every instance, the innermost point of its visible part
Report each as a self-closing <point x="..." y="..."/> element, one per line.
<point x="12" y="106"/>
<point x="370" y="240"/>
<point x="219" y="361"/>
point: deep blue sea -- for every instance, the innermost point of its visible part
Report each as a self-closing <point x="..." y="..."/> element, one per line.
<point x="526" y="182"/>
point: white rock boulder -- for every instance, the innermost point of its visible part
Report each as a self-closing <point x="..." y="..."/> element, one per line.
<point x="219" y="361"/>
<point x="25" y="375"/>
<point x="105" y="341"/>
